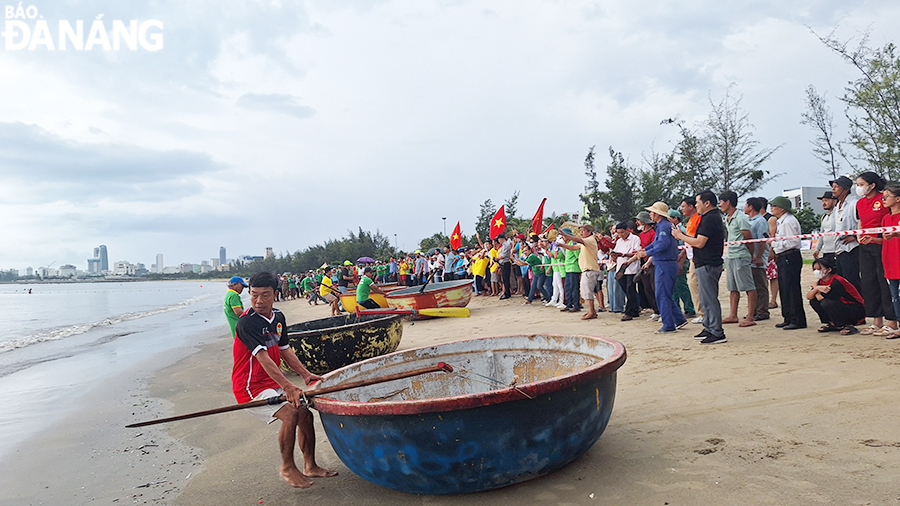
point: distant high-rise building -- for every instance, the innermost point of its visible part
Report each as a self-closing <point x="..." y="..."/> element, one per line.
<point x="222" y="255"/>
<point x="93" y="266"/>
<point x="104" y="258"/>
<point x="159" y="263"/>
<point x="29" y="271"/>
<point x="270" y="253"/>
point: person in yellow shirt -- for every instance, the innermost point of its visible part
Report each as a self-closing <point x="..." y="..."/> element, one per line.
<point x="327" y="291"/>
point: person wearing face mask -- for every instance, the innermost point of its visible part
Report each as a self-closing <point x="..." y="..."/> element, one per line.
<point x="836" y="301"/>
<point x="873" y="285"/>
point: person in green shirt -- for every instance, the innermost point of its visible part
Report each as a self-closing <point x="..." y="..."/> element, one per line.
<point x="573" y="275"/>
<point x="364" y="289"/>
<point x="234" y="307"/>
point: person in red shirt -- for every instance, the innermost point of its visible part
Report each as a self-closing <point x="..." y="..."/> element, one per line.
<point x="890" y="248"/>
<point x="260" y="345"/>
<point x="873" y="285"/>
<point x="834" y="299"/>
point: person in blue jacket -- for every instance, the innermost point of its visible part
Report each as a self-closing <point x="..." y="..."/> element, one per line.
<point x="663" y="253"/>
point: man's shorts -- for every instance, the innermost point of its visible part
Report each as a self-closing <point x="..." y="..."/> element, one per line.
<point x="589" y="283"/>
<point x="267" y="413"/>
<point x="329" y="297"/>
<point x="738" y="276"/>
<point x="495" y="276"/>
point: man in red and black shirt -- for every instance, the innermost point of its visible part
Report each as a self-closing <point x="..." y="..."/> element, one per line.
<point x="260" y="346"/>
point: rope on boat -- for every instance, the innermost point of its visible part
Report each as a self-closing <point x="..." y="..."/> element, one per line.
<point x="495" y="382"/>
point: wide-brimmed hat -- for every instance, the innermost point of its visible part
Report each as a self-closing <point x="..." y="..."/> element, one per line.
<point x="782" y="202"/>
<point x="660" y="208"/>
<point x="643" y="217"/>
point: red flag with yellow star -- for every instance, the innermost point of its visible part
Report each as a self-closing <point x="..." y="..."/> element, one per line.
<point x="537" y="223"/>
<point x="456" y="238"/>
<point x="498" y="223"/>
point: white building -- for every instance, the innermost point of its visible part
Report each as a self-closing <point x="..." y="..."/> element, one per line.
<point x="159" y="263"/>
<point x="171" y="270"/>
<point x="67" y="271"/>
<point x="185" y="268"/>
<point x="123" y="268"/>
<point x="806" y="195"/>
<point x="270" y="253"/>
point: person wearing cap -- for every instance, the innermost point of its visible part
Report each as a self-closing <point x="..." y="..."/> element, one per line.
<point x="682" y="293"/>
<point x="664" y="253"/>
<point x="346" y="277"/>
<point x="708" y="244"/>
<point x="234" y="307"/>
<point x="738" y="275"/>
<point x="845" y="218"/>
<point x="759" y="256"/>
<point x="365" y="288"/>
<point x="787" y="254"/>
<point x="826" y="246"/>
<point x="504" y="258"/>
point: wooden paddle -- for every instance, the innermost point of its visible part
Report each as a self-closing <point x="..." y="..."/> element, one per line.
<point x="433" y="311"/>
<point x="441" y="366"/>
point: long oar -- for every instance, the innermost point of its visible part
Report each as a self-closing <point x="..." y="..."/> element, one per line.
<point x="441" y="366"/>
<point x="433" y="311"/>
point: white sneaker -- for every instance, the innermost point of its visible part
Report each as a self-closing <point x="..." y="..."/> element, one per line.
<point x="560" y="306"/>
<point x="653" y="318"/>
<point x="698" y="319"/>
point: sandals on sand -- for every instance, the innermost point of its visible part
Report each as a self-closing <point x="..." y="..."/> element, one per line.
<point x="849" y="330"/>
<point x="829" y="328"/>
<point x="884" y="331"/>
<point x="871" y="329"/>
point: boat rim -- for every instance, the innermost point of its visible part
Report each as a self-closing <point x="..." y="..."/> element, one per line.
<point x="414" y="290"/>
<point x="303" y="333"/>
<point x="457" y="402"/>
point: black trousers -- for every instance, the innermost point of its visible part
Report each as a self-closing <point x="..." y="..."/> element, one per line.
<point x="505" y="269"/>
<point x="368" y="304"/>
<point x="873" y="285"/>
<point x="837" y="313"/>
<point x="848" y="266"/>
<point x="789" y="265"/>
<point x="632" y="304"/>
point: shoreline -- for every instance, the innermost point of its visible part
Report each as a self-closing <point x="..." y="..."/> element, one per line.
<point x="770" y="416"/>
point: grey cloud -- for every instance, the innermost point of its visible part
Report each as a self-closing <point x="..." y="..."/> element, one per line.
<point x="277" y="102"/>
<point x="63" y="170"/>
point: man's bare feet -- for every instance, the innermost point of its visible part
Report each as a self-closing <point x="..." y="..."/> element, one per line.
<point x="295" y="478"/>
<point x="319" y="472"/>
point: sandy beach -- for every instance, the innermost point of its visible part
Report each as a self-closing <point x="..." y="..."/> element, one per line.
<point x="771" y="417"/>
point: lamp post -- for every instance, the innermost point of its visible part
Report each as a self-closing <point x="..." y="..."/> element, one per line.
<point x="395" y="241"/>
<point x="445" y="225"/>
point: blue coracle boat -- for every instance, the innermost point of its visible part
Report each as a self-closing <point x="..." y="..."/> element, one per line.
<point x="514" y="408"/>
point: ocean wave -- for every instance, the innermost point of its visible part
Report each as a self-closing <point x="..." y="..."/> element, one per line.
<point x="74" y="330"/>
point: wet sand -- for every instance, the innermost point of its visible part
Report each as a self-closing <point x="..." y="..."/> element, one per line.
<point x="771" y="417"/>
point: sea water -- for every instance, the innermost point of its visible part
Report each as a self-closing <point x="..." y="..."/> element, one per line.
<point x="61" y="340"/>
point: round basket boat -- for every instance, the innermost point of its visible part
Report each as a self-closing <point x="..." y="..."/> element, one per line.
<point x="331" y="343"/>
<point x="514" y="408"/>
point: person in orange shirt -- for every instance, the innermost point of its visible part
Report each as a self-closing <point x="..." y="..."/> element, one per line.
<point x="688" y="209"/>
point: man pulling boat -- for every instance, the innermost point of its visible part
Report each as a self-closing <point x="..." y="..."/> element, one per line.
<point x="260" y="345"/>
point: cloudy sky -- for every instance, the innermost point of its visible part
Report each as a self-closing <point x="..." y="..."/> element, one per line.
<point x="280" y="123"/>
